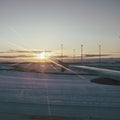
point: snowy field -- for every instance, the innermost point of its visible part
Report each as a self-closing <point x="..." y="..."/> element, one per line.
<point x="31" y="96"/>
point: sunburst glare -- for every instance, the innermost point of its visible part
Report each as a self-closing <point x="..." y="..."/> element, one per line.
<point x="43" y="55"/>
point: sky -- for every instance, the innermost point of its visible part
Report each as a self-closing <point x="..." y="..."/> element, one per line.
<point x="46" y="24"/>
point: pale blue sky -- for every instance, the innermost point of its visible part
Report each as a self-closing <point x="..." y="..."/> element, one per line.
<point x="45" y="24"/>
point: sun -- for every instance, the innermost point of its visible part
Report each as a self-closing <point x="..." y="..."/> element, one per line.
<point x="43" y="55"/>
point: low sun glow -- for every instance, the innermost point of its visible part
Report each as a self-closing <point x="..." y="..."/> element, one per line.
<point x="43" y="55"/>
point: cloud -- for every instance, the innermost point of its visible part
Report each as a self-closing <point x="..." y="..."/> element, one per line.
<point x="3" y="52"/>
<point x="58" y="56"/>
<point x="18" y="56"/>
<point x="24" y="51"/>
<point x="96" y="55"/>
<point x="116" y="52"/>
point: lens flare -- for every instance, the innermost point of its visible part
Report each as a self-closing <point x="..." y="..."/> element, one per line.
<point x="43" y="55"/>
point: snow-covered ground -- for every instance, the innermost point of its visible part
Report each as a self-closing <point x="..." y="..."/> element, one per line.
<point x="28" y="96"/>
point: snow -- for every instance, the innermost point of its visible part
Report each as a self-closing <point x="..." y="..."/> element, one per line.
<point x="24" y="94"/>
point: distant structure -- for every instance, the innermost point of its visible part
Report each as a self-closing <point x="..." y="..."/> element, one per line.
<point x="99" y="53"/>
<point x="73" y="55"/>
<point x="81" y="53"/>
<point x="62" y="52"/>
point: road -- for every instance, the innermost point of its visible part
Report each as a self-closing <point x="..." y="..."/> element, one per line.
<point x="29" y="96"/>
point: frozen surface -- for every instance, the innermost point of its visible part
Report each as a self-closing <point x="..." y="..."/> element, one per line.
<point x="24" y="94"/>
